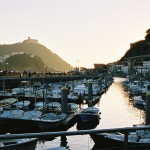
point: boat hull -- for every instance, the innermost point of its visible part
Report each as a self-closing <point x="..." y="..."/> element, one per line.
<point x="103" y="140"/>
<point x="27" y="145"/>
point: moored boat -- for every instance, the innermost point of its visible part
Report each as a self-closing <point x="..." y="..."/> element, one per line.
<point x="89" y="114"/>
<point x="18" y="144"/>
<point x="7" y="102"/>
<point x="138" y="138"/>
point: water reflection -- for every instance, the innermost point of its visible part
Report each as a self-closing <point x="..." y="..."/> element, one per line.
<point x="64" y="142"/>
<point x="117" y="110"/>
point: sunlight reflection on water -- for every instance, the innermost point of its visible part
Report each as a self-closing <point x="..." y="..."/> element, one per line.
<point x="117" y="110"/>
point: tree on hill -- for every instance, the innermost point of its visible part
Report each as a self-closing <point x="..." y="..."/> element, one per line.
<point x="147" y="37"/>
<point x="139" y="48"/>
<point x="25" y="62"/>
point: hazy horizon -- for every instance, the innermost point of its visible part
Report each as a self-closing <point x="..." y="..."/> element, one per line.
<point x="81" y="32"/>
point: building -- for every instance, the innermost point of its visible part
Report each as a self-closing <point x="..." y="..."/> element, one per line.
<point x="29" y="40"/>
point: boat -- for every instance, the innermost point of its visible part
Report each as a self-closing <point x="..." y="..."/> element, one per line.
<point x="114" y="140"/>
<point x="138" y="100"/>
<point x="17" y="121"/>
<point x="7" y="102"/>
<point x="19" y="105"/>
<point x="7" y="118"/>
<point x="49" y="121"/>
<point x="51" y="106"/>
<point x="87" y="126"/>
<point x="89" y="114"/>
<point x="72" y="107"/>
<point x="18" y="144"/>
<point x="29" y="115"/>
<point x="10" y="114"/>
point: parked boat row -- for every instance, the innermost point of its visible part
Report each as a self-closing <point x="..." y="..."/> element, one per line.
<point x="38" y="108"/>
<point x="136" y="89"/>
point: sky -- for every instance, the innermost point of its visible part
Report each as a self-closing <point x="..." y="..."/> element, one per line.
<point x="81" y="32"/>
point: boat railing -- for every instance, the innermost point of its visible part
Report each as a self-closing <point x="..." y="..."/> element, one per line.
<point x="40" y="135"/>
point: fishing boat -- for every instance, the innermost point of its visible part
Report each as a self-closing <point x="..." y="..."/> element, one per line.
<point x="137" y="138"/>
<point x="18" y="144"/>
<point x="89" y="114"/>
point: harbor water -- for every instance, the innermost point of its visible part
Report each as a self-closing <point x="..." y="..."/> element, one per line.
<point x="117" y="110"/>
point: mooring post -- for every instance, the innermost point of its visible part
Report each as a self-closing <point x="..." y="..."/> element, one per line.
<point x="64" y="100"/>
<point x="125" y="141"/>
<point x="90" y="93"/>
<point x="147" y="109"/>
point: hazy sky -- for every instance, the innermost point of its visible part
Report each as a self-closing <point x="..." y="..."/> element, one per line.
<point x="82" y="32"/>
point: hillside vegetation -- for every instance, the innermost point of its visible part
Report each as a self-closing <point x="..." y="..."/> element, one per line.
<point x="48" y="58"/>
<point x="22" y="62"/>
<point x="139" y="48"/>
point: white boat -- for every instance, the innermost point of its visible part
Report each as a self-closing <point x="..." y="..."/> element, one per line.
<point x="30" y="115"/>
<point x="10" y="114"/>
<point x="111" y="140"/>
<point x="7" y="102"/>
<point x="18" y="144"/>
<point x="95" y="90"/>
<point x="19" y="105"/>
<point x="145" y="89"/>
<point x="79" y="89"/>
<point x="89" y="114"/>
<point x="138" y="100"/>
<point x="49" y="121"/>
<point x="49" y="106"/>
<point x="135" y="87"/>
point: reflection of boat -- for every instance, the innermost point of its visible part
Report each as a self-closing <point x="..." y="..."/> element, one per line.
<point x="138" y="138"/>
<point x="18" y="144"/>
<point x="89" y="114"/>
<point x="87" y="126"/>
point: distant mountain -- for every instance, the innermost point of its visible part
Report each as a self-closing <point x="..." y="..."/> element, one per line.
<point x="139" y="48"/>
<point x="29" y="46"/>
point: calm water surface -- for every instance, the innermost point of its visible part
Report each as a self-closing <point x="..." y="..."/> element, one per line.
<point x="117" y="110"/>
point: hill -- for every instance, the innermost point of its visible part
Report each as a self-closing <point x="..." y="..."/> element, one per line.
<point x="139" y="48"/>
<point x="21" y="62"/>
<point x="50" y="59"/>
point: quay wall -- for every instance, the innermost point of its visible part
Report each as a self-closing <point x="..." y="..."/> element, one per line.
<point x="12" y="82"/>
